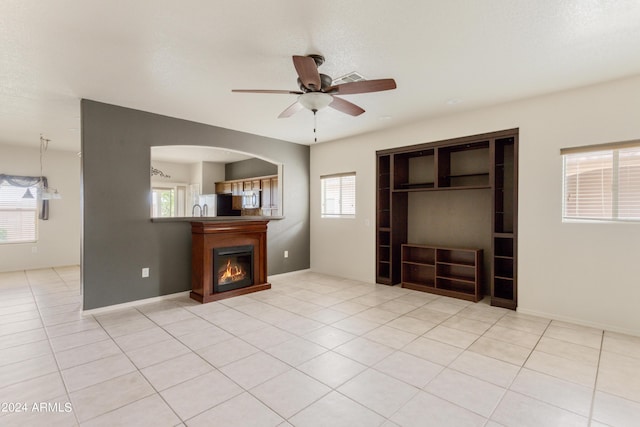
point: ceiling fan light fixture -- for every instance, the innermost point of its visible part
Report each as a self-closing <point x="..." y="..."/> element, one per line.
<point x="315" y="101"/>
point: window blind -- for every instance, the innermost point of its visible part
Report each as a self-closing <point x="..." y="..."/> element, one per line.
<point x="338" y="195"/>
<point x="629" y="184"/>
<point x="602" y="185"/>
<point x="18" y="215"/>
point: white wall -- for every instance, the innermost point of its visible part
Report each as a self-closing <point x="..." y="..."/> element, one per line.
<point x="179" y="172"/>
<point x="587" y="272"/>
<point x="59" y="237"/>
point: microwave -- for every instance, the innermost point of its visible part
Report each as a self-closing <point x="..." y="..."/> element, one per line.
<point x="250" y="199"/>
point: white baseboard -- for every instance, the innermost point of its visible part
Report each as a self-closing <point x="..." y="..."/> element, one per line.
<point x="581" y="322"/>
<point x="108" y="308"/>
<point x="165" y="297"/>
<point x="289" y="273"/>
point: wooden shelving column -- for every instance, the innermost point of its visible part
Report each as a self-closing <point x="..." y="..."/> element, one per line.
<point x="383" y="220"/>
<point x="504" y="290"/>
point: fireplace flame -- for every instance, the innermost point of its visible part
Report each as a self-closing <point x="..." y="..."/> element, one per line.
<point x="232" y="273"/>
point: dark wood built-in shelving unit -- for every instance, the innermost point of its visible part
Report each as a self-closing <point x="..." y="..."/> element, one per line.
<point x="487" y="161"/>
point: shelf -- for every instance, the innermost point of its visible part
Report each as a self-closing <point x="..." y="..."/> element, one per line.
<point x="503" y="235"/>
<point x="418" y="273"/>
<point x="451" y="188"/>
<point x="457" y="264"/>
<point x="421" y="284"/>
<point x="418" y="263"/>
<point x="503" y="288"/>
<point x="457" y="256"/>
<point x="503" y="267"/>
<point x="417" y="286"/>
<point x="457" y="279"/>
<point x="465" y="175"/>
<point x="414" y="185"/>
<point x="419" y="254"/>
<point x="503" y="257"/>
<point x="387" y="229"/>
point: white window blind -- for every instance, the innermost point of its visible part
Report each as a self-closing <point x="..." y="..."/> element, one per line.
<point x="629" y="184"/>
<point x="18" y="215"/>
<point x="603" y="184"/>
<point x="338" y="195"/>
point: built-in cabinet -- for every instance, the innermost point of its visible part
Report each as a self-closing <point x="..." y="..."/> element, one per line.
<point x="482" y="162"/>
<point x="265" y="186"/>
<point x="270" y="199"/>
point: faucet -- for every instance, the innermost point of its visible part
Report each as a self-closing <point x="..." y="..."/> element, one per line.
<point x="193" y="210"/>
<point x="205" y="210"/>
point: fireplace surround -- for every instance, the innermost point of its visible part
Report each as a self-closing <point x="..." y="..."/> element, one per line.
<point x="228" y="258"/>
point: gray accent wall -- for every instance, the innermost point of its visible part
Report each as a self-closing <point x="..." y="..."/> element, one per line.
<point x="119" y="238"/>
<point x="248" y="169"/>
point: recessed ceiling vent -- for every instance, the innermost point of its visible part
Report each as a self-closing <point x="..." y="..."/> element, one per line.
<point x="348" y="78"/>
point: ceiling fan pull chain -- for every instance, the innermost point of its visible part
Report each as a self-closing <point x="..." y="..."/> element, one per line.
<point x="315" y="125"/>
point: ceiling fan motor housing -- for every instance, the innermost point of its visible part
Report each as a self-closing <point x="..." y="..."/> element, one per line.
<point x="325" y="82"/>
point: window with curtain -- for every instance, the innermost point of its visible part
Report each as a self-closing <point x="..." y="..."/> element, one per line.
<point x="602" y="182"/>
<point x="18" y="209"/>
<point x="338" y="194"/>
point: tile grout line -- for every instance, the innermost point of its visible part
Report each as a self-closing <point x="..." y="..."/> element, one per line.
<point x="595" y="382"/>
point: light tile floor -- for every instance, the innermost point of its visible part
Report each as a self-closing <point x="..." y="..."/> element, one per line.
<point x="314" y="350"/>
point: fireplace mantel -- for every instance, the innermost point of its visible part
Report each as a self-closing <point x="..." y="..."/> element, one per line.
<point x="207" y="236"/>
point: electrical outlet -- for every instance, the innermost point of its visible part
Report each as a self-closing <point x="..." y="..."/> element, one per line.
<point x="286" y="254"/>
<point x="145" y="272"/>
<point x="34" y="249"/>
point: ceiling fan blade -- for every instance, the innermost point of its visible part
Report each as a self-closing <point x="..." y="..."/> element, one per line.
<point x="307" y="71"/>
<point x="364" y="86"/>
<point x="346" y="106"/>
<point x="291" y="110"/>
<point x="286" y="92"/>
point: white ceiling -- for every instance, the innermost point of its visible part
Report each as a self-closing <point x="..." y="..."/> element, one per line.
<point x="183" y="58"/>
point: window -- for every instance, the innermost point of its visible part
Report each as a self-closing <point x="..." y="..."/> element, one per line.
<point x="338" y="195"/>
<point x="18" y="215"/>
<point x="163" y="202"/>
<point x="602" y="184"/>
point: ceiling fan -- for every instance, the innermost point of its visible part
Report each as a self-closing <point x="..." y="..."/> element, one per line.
<point x="317" y="92"/>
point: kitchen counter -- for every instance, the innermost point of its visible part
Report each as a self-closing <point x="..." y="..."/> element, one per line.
<point x="215" y="218"/>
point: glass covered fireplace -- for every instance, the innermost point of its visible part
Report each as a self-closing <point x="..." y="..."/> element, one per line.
<point x="232" y="268"/>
